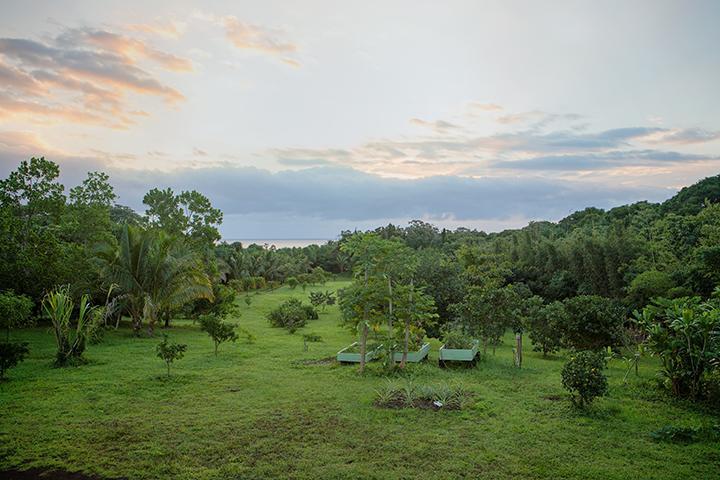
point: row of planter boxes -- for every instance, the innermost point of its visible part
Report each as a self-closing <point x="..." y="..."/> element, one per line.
<point x="346" y="355"/>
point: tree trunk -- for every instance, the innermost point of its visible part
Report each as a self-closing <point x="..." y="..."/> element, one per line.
<point x="391" y="334"/>
<point x="166" y="318"/>
<point x="364" y="334"/>
<point x="406" y="343"/>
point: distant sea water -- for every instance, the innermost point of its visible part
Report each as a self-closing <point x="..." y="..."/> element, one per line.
<point x="279" y="242"/>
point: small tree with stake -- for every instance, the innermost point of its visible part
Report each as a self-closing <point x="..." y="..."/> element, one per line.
<point x="218" y="330"/>
<point x="170" y="351"/>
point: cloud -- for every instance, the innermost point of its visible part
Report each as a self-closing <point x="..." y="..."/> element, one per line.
<point x="42" y="80"/>
<point x="485" y="107"/>
<point x="602" y="161"/>
<point x="246" y="36"/>
<point x="685" y="136"/>
<point x="166" y="28"/>
<point x="439" y="126"/>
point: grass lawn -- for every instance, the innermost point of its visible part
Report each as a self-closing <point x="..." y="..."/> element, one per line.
<point x="259" y="411"/>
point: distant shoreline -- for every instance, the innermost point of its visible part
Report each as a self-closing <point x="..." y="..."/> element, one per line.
<point x="279" y="242"/>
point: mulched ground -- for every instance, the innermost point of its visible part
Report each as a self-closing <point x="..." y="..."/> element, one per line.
<point x="38" y="474"/>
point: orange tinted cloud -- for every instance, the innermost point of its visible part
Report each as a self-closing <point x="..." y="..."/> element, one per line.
<point x="41" y="80"/>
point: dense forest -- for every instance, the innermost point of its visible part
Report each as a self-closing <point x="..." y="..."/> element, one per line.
<point x="581" y="282"/>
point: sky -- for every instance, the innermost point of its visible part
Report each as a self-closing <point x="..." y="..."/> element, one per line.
<point x="302" y="119"/>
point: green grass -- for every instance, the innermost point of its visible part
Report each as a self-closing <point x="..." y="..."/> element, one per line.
<point x="258" y="411"/>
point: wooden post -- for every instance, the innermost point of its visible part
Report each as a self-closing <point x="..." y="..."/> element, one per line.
<point x="518" y="350"/>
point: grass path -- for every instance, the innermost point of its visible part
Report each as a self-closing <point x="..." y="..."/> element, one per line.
<point x="258" y="411"/>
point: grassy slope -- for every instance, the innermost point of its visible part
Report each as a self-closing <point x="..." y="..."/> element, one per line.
<point x="253" y="413"/>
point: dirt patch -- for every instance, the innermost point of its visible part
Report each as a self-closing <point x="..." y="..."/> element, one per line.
<point x="38" y="474"/>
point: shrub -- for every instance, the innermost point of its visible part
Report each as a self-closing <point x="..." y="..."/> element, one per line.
<point x="545" y="327"/>
<point x="292" y="282"/>
<point x="648" y="285"/>
<point x="218" y="330"/>
<point x="410" y="395"/>
<point x="592" y="322"/>
<point x="237" y="285"/>
<point x="170" y="351"/>
<point x="685" y="334"/>
<point x="11" y="354"/>
<point x="583" y="377"/>
<point x="456" y="339"/>
<point x="292" y="314"/>
<point x="310" y="338"/>
<point x="14" y="311"/>
<point x="58" y="305"/>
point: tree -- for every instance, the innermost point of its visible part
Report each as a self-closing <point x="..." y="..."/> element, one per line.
<point x="417" y="310"/>
<point x="190" y="214"/>
<point x="170" y="351"/>
<point x="592" y="322"/>
<point x="218" y="330"/>
<point x="648" y="285"/>
<point x="156" y="272"/>
<point x="546" y="327"/>
<point x="15" y="311"/>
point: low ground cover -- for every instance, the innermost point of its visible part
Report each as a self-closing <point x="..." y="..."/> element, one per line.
<point x="283" y="408"/>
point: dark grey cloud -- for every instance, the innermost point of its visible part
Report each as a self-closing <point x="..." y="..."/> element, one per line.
<point x="602" y="161"/>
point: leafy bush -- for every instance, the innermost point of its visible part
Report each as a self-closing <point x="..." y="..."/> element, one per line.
<point x="648" y="285"/>
<point x="58" y="306"/>
<point x="685" y="334"/>
<point x="671" y="433"/>
<point x="292" y="282"/>
<point x="456" y="339"/>
<point x="170" y="351"/>
<point x="14" y="311"/>
<point x="11" y="354"/>
<point x="292" y="314"/>
<point x="321" y="299"/>
<point x="218" y="330"/>
<point x="545" y="327"/>
<point x="310" y="338"/>
<point x="592" y="322"/>
<point x="583" y="377"/>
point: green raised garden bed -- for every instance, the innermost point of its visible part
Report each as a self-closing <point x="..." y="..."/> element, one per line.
<point x="347" y="356"/>
<point x="459" y="354"/>
<point x="415" y="356"/>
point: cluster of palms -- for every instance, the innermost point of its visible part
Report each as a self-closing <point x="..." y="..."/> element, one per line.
<point x="237" y="262"/>
<point x="156" y="273"/>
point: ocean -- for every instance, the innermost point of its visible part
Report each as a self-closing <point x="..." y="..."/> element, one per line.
<point x="279" y="242"/>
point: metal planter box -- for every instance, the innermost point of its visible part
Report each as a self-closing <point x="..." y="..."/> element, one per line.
<point x="414" y="357"/>
<point x="459" y="354"/>
<point x="344" y="356"/>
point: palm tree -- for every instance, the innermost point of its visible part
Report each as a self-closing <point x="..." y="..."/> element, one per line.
<point x="156" y="272"/>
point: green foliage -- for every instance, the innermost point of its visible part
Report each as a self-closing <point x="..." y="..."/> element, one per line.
<point x="686" y="435"/>
<point x="169" y="351"/>
<point x="546" y="327"/>
<point x="456" y="339"/>
<point x="15" y="311"/>
<point x="322" y="299"/>
<point x="583" y="377"/>
<point x="155" y="272"/>
<point x="408" y="394"/>
<point x="189" y="213"/>
<point x="592" y="322"/>
<point x="11" y="354"/>
<point x="310" y="338"/>
<point x="218" y="330"/>
<point x="58" y="305"/>
<point x="291" y="315"/>
<point x="685" y="334"/>
<point x="292" y="282"/>
<point x="648" y="285"/>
